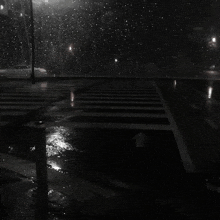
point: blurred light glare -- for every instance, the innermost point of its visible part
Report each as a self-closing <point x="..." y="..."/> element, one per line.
<point x="214" y="39"/>
<point x="116" y="60"/>
<point x="1" y="7"/>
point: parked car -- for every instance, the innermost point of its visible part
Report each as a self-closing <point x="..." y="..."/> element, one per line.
<point x="22" y="71"/>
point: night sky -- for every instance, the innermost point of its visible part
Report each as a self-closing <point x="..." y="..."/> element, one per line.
<point x="145" y="31"/>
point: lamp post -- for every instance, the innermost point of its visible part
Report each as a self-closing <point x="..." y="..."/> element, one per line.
<point x="32" y="43"/>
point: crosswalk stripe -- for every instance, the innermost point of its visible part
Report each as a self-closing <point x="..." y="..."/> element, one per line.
<point x="107" y="114"/>
<point x="119" y="102"/>
<point x="118" y="98"/>
<point x="20" y="95"/>
<point x="114" y="126"/>
<point x="122" y="89"/>
<point x="13" y="104"/>
<point x="13" y="113"/>
<point x="119" y="95"/>
<point x="100" y="107"/>
<point x="21" y="103"/>
<point x="118" y="114"/>
<point x="8" y="107"/>
<point x="113" y="109"/>
<point x="24" y="98"/>
<point x="130" y="92"/>
<point x="19" y="99"/>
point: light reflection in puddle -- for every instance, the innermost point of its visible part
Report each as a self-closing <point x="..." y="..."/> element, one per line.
<point x="72" y="104"/>
<point x="57" y="141"/>
<point x="54" y="165"/>
<point x="58" y="146"/>
<point x="72" y="97"/>
<point x="43" y="86"/>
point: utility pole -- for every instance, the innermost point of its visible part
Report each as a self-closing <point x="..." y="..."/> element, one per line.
<point x="32" y="44"/>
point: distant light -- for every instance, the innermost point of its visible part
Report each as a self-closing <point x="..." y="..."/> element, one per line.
<point x="1" y="7"/>
<point x="174" y="84"/>
<point x="212" y="67"/>
<point x="70" y="48"/>
<point x="116" y="60"/>
<point x="214" y="39"/>
<point x="210" y="89"/>
<point x="21" y="14"/>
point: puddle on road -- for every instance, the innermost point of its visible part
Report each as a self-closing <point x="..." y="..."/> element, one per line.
<point x="91" y="152"/>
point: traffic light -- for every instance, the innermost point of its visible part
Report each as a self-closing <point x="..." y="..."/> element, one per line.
<point x="3" y="7"/>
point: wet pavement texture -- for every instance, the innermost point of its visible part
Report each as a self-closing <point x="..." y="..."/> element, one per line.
<point x="196" y="115"/>
<point x="142" y="167"/>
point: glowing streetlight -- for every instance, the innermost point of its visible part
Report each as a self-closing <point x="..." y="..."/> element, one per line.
<point x="70" y="48"/>
<point x="32" y="43"/>
<point x="214" y="39"/>
<point x="210" y="90"/>
<point x="1" y="7"/>
<point x="212" y="43"/>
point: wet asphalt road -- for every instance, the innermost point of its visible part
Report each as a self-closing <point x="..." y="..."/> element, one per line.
<point x="115" y="134"/>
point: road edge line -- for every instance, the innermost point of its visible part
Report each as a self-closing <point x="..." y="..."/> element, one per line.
<point x="185" y="157"/>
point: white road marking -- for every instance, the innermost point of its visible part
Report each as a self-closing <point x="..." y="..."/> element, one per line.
<point x="5" y="107"/>
<point x="25" y="98"/>
<point x="128" y="126"/>
<point x="184" y="154"/>
<point x="13" y="113"/>
<point x="18" y="103"/>
<point x="147" y="95"/>
<point x="119" y="107"/>
<point x="118" y="114"/>
<point x="118" y="98"/>
<point x="120" y="102"/>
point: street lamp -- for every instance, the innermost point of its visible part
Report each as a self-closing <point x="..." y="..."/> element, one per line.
<point x="214" y="39"/>
<point x="32" y="43"/>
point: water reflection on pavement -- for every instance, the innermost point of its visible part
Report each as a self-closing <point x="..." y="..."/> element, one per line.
<point x="97" y="171"/>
